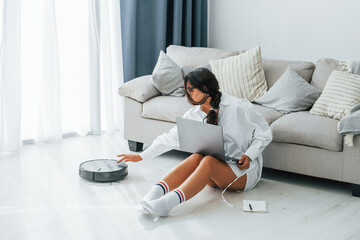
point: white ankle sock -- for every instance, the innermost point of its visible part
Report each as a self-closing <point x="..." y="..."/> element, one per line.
<point x="159" y="190"/>
<point x="163" y="205"/>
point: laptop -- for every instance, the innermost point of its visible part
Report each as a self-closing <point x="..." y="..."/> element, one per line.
<point x="202" y="138"/>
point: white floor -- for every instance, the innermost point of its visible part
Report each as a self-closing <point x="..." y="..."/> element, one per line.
<point x="43" y="197"/>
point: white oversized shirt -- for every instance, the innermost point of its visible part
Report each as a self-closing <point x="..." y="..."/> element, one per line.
<point x="245" y="131"/>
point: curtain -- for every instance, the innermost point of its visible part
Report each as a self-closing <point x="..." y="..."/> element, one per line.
<point x="66" y="77"/>
<point x="151" y="26"/>
<point x="10" y="76"/>
<point x="40" y="73"/>
<point x="106" y="108"/>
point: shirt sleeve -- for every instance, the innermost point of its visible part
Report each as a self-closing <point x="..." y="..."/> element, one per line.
<point x="164" y="142"/>
<point x="262" y="134"/>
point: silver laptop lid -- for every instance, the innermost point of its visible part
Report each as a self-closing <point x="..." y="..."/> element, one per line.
<point x="202" y="138"/>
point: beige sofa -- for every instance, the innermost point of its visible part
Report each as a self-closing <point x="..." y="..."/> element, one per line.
<point x="302" y="143"/>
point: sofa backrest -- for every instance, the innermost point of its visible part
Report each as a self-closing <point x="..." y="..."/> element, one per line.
<point x="274" y="68"/>
<point x="196" y="56"/>
<point x="324" y="67"/>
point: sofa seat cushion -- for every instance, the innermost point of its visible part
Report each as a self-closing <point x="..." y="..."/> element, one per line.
<point x="306" y="129"/>
<point x="269" y="114"/>
<point x="165" y="108"/>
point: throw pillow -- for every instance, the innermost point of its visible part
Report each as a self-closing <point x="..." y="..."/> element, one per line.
<point x="140" y="89"/>
<point x="341" y="92"/>
<point x="167" y="77"/>
<point x="242" y="75"/>
<point x="290" y="93"/>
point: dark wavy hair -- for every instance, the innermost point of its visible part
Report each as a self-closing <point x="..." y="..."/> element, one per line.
<point x="204" y="80"/>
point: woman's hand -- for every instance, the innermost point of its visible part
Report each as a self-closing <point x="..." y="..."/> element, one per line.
<point x="244" y="162"/>
<point x="129" y="158"/>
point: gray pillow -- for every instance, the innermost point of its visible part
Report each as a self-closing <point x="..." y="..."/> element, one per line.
<point x="167" y="77"/>
<point x="290" y="93"/>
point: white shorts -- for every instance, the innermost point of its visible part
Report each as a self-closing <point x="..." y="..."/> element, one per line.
<point x="251" y="173"/>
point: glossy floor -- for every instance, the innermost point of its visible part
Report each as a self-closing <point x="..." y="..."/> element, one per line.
<point x="42" y="197"/>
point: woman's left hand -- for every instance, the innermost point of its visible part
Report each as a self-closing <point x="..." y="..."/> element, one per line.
<point x="244" y="162"/>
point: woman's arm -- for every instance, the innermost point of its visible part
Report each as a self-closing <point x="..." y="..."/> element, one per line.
<point x="163" y="143"/>
<point x="262" y="134"/>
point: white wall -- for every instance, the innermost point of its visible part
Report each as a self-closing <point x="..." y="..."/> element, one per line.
<point x="287" y="29"/>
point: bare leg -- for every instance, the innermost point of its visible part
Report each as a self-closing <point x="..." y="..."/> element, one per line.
<point x="211" y="169"/>
<point x="182" y="171"/>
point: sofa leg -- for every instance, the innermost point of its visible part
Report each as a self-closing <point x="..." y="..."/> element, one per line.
<point x="135" y="146"/>
<point x="355" y="190"/>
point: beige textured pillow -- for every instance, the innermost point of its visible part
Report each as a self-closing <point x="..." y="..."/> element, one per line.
<point x="242" y="75"/>
<point x="341" y="91"/>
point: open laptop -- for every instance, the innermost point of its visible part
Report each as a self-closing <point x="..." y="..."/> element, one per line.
<point x="202" y="138"/>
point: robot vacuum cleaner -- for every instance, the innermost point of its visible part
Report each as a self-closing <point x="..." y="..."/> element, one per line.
<point x="103" y="170"/>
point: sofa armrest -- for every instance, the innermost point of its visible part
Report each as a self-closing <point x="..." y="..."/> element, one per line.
<point x="140" y="89"/>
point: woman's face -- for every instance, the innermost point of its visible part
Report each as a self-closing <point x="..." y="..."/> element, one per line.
<point x="195" y="93"/>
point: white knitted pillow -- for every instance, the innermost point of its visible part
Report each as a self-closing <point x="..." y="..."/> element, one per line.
<point x="242" y="75"/>
<point x="341" y="92"/>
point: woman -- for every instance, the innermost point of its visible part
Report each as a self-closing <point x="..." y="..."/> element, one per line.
<point x="246" y="134"/>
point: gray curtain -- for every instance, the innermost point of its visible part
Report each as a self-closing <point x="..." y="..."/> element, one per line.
<point x="149" y="26"/>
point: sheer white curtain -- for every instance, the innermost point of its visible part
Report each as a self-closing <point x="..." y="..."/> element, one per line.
<point x="41" y="88"/>
<point x="10" y="78"/>
<point x="106" y="72"/>
<point x="71" y="69"/>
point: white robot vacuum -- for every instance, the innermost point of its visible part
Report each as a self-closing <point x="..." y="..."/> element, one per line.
<point x="103" y="170"/>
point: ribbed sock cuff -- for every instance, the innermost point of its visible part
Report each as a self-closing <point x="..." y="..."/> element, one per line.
<point x="180" y="194"/>
<point x="164" y="186"/>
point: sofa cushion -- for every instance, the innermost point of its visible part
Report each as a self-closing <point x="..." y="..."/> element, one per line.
<point x="242" y="75"/>
<point x="291" y="93"/>
<point x="274" y="68"/>
<point x="323" y="69"/>
<point x="196" y="56"/>
<point x="306" y="129"/>
<point x="269" y="114"/>
<point x="165" y="108"/>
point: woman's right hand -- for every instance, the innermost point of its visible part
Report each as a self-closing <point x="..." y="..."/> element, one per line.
<point x="129" y="158"/>
<point x="244" y="162"/>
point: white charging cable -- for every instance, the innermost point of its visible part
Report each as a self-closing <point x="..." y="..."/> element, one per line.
<point x="222" y="194"/>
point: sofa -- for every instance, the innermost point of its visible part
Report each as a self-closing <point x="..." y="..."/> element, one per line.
<point x="302" y="143"/>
